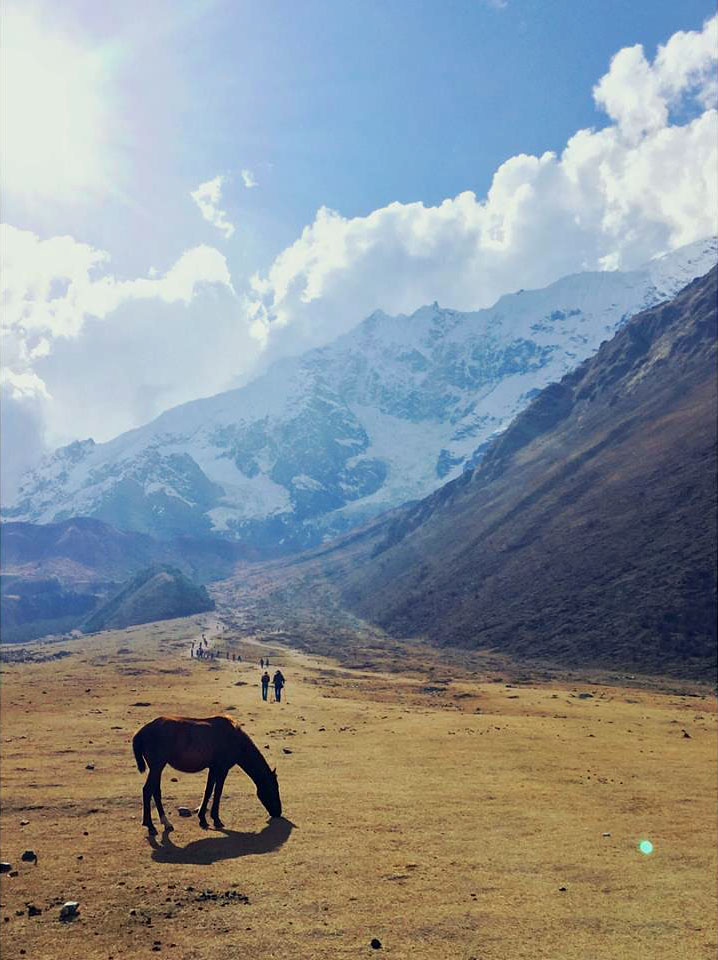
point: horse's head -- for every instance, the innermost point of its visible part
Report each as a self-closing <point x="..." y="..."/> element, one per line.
<point x="268" y="793"/>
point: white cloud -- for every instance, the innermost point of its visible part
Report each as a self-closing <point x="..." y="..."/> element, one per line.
<point x="248" y="178"/>
<point x="208" y="197"/>
<point x="52" y="289"/>
<point x="614" y="197"/>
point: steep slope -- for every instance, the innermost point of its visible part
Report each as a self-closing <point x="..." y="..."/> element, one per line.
<point x="159" y="593"/>
<point x="320" y="443"/>
<point x="588" y="532"/>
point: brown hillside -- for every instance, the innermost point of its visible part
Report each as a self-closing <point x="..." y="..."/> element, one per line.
<point x="588" y="534"/>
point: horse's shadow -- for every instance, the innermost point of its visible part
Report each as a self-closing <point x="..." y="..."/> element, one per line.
<point x="229" y="845"/>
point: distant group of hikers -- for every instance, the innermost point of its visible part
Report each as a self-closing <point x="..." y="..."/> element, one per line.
<point x="200" y="651"/>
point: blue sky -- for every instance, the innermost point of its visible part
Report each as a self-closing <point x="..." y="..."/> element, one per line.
<point x="345" y="105"/>
<point x="120" y="112"/>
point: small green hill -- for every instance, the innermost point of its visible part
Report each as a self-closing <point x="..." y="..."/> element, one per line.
<point x="158" y="593"/>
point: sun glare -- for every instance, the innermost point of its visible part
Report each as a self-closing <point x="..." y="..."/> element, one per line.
<point x="52" y="112"/>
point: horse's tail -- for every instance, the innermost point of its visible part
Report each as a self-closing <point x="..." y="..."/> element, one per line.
<point x="137" y="747"/>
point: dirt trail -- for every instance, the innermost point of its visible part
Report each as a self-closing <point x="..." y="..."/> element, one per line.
<point x="448" y="817"/>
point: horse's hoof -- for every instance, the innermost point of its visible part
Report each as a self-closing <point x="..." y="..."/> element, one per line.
<point x="151" y="830"/>
<point x="218" y="824"/>
<point x="204" y="824"/>
<point x="168" y="826"/>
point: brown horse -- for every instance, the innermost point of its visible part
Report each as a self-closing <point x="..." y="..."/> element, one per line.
<point x="191" y="745"/>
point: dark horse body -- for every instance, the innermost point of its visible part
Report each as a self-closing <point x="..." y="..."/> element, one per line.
<point x="190" y="745"/>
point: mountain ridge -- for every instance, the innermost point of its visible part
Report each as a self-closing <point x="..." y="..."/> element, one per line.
<point x="322" y="442"/>
<point x="584" y="536"/>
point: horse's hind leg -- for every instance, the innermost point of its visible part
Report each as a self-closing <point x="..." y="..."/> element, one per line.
<point x="146" y="808"/>
<point x="157" y="794"/>
<point x="207" y="792"/>
<point x="218" y="786"/>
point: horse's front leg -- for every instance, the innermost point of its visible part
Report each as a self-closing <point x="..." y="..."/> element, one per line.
<point x="207" y="792"/>
<point x="218" y="787"/>
<point x="147" y="792"/>
<point x="157" y="794"/>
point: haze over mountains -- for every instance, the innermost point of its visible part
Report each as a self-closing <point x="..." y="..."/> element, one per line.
<point x="322" y="442"/>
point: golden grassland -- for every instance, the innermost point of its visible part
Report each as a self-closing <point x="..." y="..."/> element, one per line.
<point x="435" y="807"/>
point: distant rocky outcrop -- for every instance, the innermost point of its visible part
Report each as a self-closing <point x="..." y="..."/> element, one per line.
<point x="587" y="535"/>
<point x="158" y="593"/>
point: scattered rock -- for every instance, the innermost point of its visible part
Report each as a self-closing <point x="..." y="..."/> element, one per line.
<point x="375" y="944"/>
<point x="184" y="811"/>
<point x="69" y="910"/>
<point x="13" y="873"/>
<point x="33" y="911"/>
<point x="686" y="735"/>
<point x="286" y="750"/>
<point x="585" y="696"/>
<point x="29" y="856"/>
<point x="174" y="780"/>
<point x="562" y="889"/>
<point x="24" y="823"/>
<point x="142" y="703"/>
<point x="5" y="867"/>
<point x="605" y="834"/>
<point x="89" y="766"/>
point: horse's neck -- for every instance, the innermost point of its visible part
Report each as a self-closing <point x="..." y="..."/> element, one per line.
<point x="252" y="761"/>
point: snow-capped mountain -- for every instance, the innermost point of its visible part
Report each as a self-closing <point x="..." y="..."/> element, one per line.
<point x="384" y="414"/>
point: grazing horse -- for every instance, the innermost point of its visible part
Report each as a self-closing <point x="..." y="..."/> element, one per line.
<point x="191" y="745"/>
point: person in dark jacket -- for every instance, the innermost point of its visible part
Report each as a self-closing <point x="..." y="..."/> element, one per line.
<point x="278" y="681"/>
<point x="265" y="685"/>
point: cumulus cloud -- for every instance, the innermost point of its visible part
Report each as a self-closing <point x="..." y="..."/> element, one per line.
<point x="248" y="178"/>
<point x="208" y="197"/>
<point x="66" y="373"/>
<point x="611" y="198"/>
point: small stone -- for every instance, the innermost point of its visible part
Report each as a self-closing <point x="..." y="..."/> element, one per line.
<point x="605" y="834"/>
<point x="13" y="873"/>
<point x="24" y="823"/>
<point x="33" y="911"/>
<point x="29" y="856"/>
<point x="184" y="811"/>
<point x="286" y="750"/>
<point x="80" y="856"/>
<point x="375" y="944"/>
<point x="562" y="889"/>
<point x="686" y="735"/>
<point x="174" y="779"/>
<point x="69" y="910"/>
<point x="5" y="867"/>
<point x="89" y="766"/>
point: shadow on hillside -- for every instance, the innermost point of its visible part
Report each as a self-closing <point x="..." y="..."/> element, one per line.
<point x="229" y="845"/>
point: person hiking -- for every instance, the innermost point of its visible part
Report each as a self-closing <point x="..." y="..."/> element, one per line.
<point x="265" y="685"/>
<point x="261" y="662"/>
<point x="278" y="681"/>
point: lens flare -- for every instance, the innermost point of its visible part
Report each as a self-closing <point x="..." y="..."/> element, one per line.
<point x="646" y="847"/>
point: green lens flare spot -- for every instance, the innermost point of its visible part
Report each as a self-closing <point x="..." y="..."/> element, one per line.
<point x="646" y="847"/>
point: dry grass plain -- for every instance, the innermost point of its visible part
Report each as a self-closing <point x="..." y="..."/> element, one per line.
<point x="462" y="819"/>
